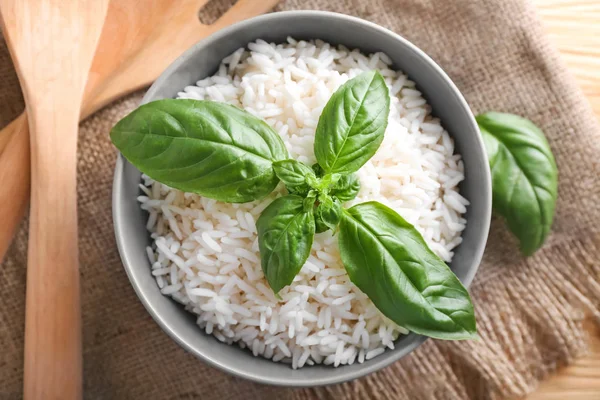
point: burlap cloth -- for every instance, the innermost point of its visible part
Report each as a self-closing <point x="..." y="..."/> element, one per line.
<point x="529" y="311"/>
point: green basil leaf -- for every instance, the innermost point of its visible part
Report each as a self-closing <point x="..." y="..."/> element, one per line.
<point x="324" y="184"/>
<point x="352" y="124"/>
<point x="524" y="176"/>
<point x="388" y="259"/>
<point x="320" y="226"/>
<point x="329" y="212"/>
<point x="318" y="170"/>
<point x="209" y="148"/>
<point x="346" y="188"/>
<point x="309" y="200"/>
<point x="295" y="175"/>
<point x="285" y="236"/>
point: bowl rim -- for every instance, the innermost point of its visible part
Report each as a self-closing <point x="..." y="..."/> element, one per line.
<point x="374" y="364"/>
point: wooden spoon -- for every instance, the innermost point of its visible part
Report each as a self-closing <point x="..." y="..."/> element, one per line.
<point x="139" y="40"/>
<point x="52" y="43"/>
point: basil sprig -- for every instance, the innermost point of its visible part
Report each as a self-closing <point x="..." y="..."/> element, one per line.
<point x="524" y="176"/>
<point x="224" y="153"/>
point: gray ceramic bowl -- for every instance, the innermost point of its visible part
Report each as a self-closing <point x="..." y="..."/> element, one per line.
<point x="201" y="61"/>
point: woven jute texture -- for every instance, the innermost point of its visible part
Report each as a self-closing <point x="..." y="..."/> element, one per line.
<point x="529" y="311"/>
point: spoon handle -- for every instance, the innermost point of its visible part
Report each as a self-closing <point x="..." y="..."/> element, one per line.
<point x="52" y="43"/>
<point x="53" y="360"/>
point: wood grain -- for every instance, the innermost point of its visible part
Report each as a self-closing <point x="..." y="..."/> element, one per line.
<point x="574" y="27"/>
<point x="579" y="381"/>
<point x="61" y="37"/>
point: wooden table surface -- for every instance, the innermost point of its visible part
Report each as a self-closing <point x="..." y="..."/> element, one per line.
<point x="574" y="27"/>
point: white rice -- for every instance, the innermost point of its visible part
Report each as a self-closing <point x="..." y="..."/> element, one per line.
<point x="205" y="253"/>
